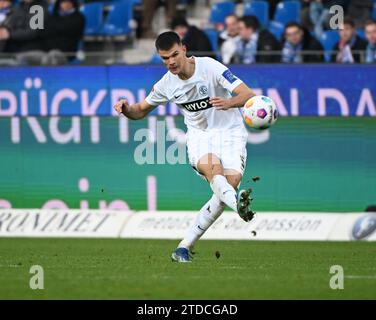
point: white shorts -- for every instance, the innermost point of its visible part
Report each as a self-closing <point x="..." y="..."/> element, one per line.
<point x="228" y="145"/>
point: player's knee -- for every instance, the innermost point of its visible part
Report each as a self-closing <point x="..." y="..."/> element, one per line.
<point x="216" y="169"/>
<point x="234" y="180"/>
<point x="210" y="170"/>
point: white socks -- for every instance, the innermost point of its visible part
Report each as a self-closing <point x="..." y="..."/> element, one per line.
<point x="224" y="191"/>
<point x="207" y="215"/>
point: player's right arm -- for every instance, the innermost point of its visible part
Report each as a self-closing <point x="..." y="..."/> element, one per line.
<point x="135" y="111"/>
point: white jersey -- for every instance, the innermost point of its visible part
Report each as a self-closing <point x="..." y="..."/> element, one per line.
<point x="210" y="79"/>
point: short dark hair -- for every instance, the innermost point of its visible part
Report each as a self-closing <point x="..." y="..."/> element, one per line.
<point x="349" y="21"/>
<point x="369" y="22"/>
<point x="250" y="22"/>
<point x="166" y="40"/>
<point x="293" y="24"/>
<point x="179" y="22"/>
<point x="232" y="15"/>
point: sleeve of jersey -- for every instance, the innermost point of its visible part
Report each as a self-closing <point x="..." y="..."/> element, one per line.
<point x="225" y="77"/>
<point x="156" y="95"/>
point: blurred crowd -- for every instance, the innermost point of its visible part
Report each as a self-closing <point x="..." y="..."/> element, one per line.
<point x="241" y="40"/>
<point x="41" y="37"/>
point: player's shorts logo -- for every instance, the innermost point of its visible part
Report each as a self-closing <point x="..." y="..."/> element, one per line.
<point x="203" y="90"/>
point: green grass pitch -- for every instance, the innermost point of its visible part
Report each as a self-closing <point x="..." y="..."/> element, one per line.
<point x="141" y="269"/>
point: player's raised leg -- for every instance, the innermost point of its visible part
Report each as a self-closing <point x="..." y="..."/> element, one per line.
<point x="224" y="184"/>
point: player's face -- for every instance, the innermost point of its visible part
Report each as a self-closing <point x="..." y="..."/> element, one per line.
<point x="174" y="58"/>
<point x="346" y="32"/>
<point x="294" y="35"/>
<point x="370" y="32"/>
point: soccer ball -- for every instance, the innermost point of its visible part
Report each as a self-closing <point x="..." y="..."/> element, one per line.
<point x="260" y="112"/>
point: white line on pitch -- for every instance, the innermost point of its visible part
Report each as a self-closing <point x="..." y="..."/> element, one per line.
<point x="360" y="277"/>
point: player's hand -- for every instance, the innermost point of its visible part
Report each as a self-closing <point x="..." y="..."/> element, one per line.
<point x="121" y="106"/>
<point x="220" y="103"/>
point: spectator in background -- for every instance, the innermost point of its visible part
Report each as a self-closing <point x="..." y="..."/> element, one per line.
<point x="193" y="38"/>
<point x="5" y="8"/>
<point x="297" y="41"/>
<point x="349" y="46"/>
<point x="370" y="31"/>
<point x="64" y="31"/>
<point x="228" y="37"/>
<point x="252" y="40"/>
<point x="231" y="29"/>
<point x="5" y="20"/>
<point x="18" y="34"/>
<point x="150" y="7"/>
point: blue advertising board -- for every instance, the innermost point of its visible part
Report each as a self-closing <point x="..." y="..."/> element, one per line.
<point x="298" y="90"/>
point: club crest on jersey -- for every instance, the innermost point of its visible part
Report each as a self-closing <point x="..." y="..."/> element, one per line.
<point x="197" y="105"/>
<point x="203" y="90"/>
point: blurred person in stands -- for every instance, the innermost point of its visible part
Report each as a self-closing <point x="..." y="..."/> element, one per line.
<point x="370" y="31"/>
<point x="297" y="42"/>
<point x="228" y="37"/>
<point x="252" y="40"/>
<point x="19" y="36"/>
<point x="350" y="45"/>
<point x="149" y="9"/>
<point x="65" y="29"/>
<point x="5" y="20"/>
<point x="193" y="38"/>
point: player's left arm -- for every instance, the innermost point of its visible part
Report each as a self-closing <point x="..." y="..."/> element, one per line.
<point x="242" y="94"/>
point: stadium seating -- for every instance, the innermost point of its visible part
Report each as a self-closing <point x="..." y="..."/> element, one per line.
<point x="155" y="59"/>
<point x="220" y="11"/>
<point x="276" y="28"/>
<point x="328" y="39"/>
<point x="361" y="33"/>
<point x="51" y="7"/>
<point x="118" y="19"/>
<point x="260" y="9"/>
<point x="93" y="13"/>
<point x="287" y="11"/>
<point x="213" y="37"/>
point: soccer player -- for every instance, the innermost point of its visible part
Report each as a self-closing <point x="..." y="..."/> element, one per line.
<point x="216" y="135"/>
